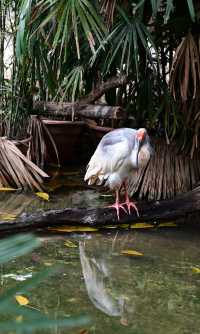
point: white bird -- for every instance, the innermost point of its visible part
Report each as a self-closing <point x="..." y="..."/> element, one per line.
<point x="118" y="156"/>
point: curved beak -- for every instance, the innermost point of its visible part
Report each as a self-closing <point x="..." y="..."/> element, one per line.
<point x="135" y="153"/>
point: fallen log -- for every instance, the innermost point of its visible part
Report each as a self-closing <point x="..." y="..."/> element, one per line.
<point x="181" y="206"/>
<point x="65" y="109"/>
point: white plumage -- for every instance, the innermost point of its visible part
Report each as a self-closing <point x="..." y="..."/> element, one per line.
<point x="118" y="156"/>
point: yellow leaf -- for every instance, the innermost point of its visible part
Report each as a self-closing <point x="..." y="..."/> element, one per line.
<point x="141" y="225"/>
<point x="42" y="195"/>
<point x="131" y="252"/>
<point x="167" y="224"/>
<point x="21" y="300"/>
<point x="7" y="216"/>
<point x="7" y="189"/>
<point x="70" y="244"/>
<point x="74" y="229"/>
<point x="123" y="225"/>
<point x="19" y="318"/>
<point x="196" y="270"/>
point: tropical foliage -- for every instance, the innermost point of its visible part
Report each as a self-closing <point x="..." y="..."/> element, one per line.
<point x="64" y="49"/>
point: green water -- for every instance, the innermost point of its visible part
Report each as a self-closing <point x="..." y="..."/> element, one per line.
<point x="154" y="293"/>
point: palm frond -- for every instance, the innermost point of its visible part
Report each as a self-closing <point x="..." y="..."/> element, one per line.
<point x="16" y="170"/>
<point x="22" y="31"/>
<point x="37" y="150"/>
<point x="185" y="72"/>
<point x="74" y="17"/>
<point x="126" y="41"/>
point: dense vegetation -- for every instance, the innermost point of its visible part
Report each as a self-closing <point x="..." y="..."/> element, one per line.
<point x="62" y="50"/>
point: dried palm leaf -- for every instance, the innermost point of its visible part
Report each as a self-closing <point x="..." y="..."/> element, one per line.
<point x="37" y="146"/>
<point x="16" y="170"/>
<point x="108" y="9"/>
<point x="185" y="86"/>
<point x="184" y="80"/>
<point x="176" y="173"/>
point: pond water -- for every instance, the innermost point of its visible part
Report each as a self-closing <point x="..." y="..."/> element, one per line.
<point x="158" y="291"/>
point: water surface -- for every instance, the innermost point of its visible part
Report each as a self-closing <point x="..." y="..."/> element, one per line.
<point x="158" y="292"/>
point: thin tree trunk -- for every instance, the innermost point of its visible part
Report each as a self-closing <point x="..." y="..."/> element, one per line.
<point x="113" y="82"/>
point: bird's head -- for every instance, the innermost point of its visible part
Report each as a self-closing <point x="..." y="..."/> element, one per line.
<point x="140" y="137"/>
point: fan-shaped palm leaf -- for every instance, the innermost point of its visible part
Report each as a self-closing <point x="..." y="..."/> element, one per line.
<point x="124" y="42"/>
<point x="16" y="170"/>
<point x="63" y="19"/>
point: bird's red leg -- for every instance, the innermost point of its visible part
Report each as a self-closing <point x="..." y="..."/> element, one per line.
<point x="117" y="205"/>
<point x="128" y="202"/>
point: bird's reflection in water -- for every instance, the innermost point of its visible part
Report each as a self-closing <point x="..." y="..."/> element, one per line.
<point x="99" y="271"/>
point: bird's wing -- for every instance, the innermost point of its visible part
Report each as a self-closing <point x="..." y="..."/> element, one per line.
<point x="115" y="151"/>
<point x="108" y="158"/>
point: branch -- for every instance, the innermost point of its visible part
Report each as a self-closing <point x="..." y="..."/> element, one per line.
<point x="113" y="82"/>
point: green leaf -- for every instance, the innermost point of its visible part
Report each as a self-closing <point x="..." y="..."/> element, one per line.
<point x="15" y="246"/>
<point x="191" y="9"/>
<point x="169" y="10"/>
<point x="155" y="4"/>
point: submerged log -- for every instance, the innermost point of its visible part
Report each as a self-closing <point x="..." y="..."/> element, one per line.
<point x="188" y="203"/>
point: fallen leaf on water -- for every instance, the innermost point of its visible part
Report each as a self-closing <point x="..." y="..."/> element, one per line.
<point x="141" y="225"/>
<point x="72" y="300"/>
<point x="43" y="195"/>
<point x="69" y="244"/>
<point x="7" y="189"/>
<point x="19" y="318"/>
<point x="124" y="322"/>
<point x="168" y="224"/>
<point x="84" y="331"/>
<point x="7" y="216"/>
<point x="48" y="264"/>
<point x="196" y="270"/>
<point x="21" y="300"/>
<point x="74" y="229"/>
<point x="123" y="225"/>
<point x="131" y="252"/>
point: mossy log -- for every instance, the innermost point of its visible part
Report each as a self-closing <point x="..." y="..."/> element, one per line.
<point x="181" y="206"/>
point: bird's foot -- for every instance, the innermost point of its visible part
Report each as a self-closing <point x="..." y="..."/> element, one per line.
<point x="131" y="205"/>
<point x="117" y="207"/>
